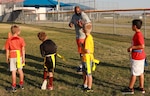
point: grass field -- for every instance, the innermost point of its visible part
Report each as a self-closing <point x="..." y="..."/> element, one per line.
<point x="109" y="78"/>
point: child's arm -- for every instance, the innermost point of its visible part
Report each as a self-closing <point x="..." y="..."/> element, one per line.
<point x="23" y="54"/>
<point x="7" y="56"/>
<point x="135" y="47"/>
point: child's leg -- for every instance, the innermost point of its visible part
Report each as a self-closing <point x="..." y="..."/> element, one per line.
<point x="21" y="75"/>
<point x="51" y="79"/>
<point x="141" y="81"/>
<point x="89" y="79"/>
<point x="14" y="78"/>
<point x="44" y="75"/>
<point x="84" y="79"/>
<point x="132" y="81"/>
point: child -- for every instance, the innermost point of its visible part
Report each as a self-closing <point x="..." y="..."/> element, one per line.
<point x="87" y="58"/>
<point x="15" y="55"/>
<point x="138" y="58"/>
<point x="48" y="51"/>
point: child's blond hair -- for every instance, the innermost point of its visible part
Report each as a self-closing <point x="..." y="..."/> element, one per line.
<point x="87" y="28"/>
<point x="15" y="29"/>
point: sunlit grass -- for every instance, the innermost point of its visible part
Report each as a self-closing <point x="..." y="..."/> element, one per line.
<point x="109" y="78"/>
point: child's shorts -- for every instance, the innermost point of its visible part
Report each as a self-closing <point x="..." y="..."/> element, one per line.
<point x="137" y="67"/>
<point x="50" y="64"/>
<point x="13" y="64"/>
<point x="84" y="68"/>
<point x="79" y="42"/>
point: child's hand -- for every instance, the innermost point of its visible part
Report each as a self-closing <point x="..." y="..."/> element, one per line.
<point x="79" y="22"/>
<point x="70" y="25"/>
<point x="129" y="49"/>
<point x="7" y="61"/>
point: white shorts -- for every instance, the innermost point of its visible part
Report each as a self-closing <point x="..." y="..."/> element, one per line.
<point x="137" y="67"/>
<point x="13" y="64"/>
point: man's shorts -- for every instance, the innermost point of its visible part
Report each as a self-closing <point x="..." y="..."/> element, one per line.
<point x="13" y="64"/>
<point x="137" y="67"/>
<point x="79" y="42"/>
<point x="84" y="68"/>
<point x="50" y="65"/>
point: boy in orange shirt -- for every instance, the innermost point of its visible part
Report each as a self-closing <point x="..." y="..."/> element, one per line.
<point x="15" y="55"/>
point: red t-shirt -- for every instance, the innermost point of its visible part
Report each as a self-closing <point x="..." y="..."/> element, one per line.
<point x="138" y="39"/>
<point x="14" y="43"/>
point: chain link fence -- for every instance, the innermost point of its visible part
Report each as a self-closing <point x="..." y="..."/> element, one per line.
<point x="105" y="21"/>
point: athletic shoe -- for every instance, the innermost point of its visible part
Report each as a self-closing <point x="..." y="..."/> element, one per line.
<point x="50" y="87"/>
<point x="128" y="91"/>
<point x="44" y="84"/>
<point x="140" y="89"/>
<point x="88" y="89"/>
<point x="21" y="87"/>
<point x="79" y="69"/>
<point x="13" y="89"/>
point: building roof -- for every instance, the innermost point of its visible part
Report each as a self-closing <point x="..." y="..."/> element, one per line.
<point x="8" y="1"/>
<point x="43" y="3"/>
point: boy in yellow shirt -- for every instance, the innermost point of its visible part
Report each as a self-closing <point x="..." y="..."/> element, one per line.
<point x="87" y="58"/>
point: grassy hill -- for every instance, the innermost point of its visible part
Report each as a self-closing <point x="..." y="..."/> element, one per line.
<point x="110" y="77"/>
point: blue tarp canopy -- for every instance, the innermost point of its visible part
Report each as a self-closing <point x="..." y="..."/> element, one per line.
<point x="42" y="3"/>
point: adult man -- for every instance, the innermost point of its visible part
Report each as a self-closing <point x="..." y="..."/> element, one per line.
<point x="78" y="20"/>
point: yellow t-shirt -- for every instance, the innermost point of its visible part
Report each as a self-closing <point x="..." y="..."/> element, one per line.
<point x="88" y="45"/>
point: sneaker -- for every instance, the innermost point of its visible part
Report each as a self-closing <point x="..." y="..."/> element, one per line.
<point x="44" y="84"/>
<point x="13" y="89"/>
<point x="88" y="89"/>
<point x="128" y="91"/>
<point x="50" y="87"/>
<point x="79" y="69"/>
<point x="21" y="87"/>
<point x="140" y="89"/>
<point x="82" y="87"/>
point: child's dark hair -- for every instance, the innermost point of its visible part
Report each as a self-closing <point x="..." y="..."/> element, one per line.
<point x="137" y="22"/>
<point x="41" y="36"/>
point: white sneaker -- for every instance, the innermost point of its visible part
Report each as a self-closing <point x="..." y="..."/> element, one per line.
<point x="44" y="85"/>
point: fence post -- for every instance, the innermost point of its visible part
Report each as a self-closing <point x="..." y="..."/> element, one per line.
<point x="114" y="23"/>
<point x="144" y="24"/>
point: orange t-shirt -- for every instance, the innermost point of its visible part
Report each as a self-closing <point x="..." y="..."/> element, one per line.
<point x="14" y="43"/>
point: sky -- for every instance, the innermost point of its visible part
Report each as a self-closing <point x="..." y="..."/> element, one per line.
<point x="132" y="3"/>
<point x="112" y="4"/>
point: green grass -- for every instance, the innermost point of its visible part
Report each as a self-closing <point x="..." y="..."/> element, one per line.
<point x="109" y="78"/>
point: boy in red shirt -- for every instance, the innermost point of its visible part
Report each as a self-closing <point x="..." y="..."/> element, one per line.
<point x="15" y="55"/>
<point x="138" y="58"/>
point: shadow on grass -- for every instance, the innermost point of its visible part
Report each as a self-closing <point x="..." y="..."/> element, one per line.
<point x="39" y="59"/>
<point x="65" y="65"/>
<point x="75" y="59"/>
<point x="112" y="65"/>
<point x="32" y="80"/>
<point x="62" y="69"/>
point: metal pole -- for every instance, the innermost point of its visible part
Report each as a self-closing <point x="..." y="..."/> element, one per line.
<point x="145" y="24"/>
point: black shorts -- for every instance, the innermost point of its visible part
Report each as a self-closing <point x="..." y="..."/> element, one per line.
<point x="50" y="64"/>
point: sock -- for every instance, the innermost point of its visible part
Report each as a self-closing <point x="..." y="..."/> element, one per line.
<point x="45" y="75"/>
<point x="21" y="83"/>
<point x="51" y="81"/>
<point x="14" y="85"/>
<point x="85" y="86"/>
